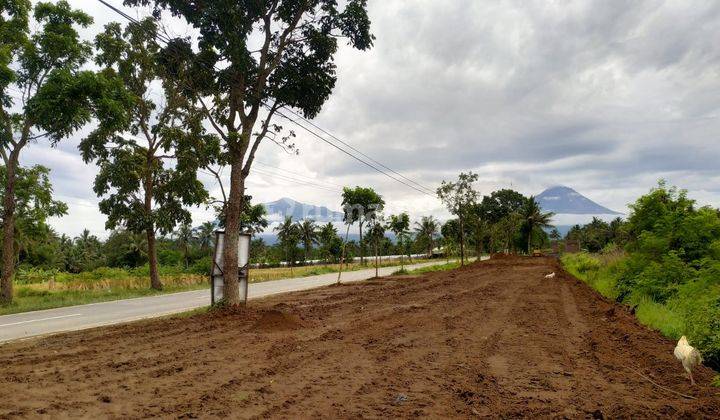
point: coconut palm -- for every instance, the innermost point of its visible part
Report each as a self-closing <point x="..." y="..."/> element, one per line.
<point x="309" y="235"/>
<point x="534" y="218"/>
<point x="185" y="237"/>
<point x="205" y="235"/>
<point x="425" y="231"/>
<point x="288" y="236"/>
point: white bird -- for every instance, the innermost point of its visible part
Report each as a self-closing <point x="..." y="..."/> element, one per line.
<point x="689" y="356"/>
<point x="550" y="276"/>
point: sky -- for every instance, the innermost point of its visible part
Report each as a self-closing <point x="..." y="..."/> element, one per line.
<point x="605" y="96"/>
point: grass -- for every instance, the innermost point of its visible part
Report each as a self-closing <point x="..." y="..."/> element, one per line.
<point x="601" y="273"/>
<point x="102" y="285"/>
<point x="430" y="269"/>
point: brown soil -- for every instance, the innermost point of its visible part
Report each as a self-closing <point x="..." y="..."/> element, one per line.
<point x="492" y="339"/>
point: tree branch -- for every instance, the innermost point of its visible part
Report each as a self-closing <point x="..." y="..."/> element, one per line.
<point x="259" y="137"/>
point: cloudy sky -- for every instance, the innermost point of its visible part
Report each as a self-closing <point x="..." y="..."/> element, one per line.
<point x="603" y="96"/>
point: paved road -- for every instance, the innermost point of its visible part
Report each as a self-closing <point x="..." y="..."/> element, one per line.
<point x="51" y="321"/>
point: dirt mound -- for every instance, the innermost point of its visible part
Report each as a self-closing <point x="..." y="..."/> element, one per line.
<point x="274" y="320"/>
<point x="495" y="339"/>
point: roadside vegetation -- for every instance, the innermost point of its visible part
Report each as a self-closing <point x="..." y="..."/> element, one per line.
<point x="664" y="262"/>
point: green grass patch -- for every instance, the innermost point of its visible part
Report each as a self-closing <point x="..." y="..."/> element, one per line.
<point x="430" y="269"/>
<point x="669" y="321"/>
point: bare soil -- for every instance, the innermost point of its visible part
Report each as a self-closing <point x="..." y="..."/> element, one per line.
<point x="491" y="339"/>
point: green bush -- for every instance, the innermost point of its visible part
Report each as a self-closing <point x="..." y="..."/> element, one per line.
<point x="201" y="266"/>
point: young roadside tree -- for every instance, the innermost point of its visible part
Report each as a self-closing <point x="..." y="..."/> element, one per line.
<point x="309" y="236"/>
<point x="288" y="236"/>
<point x="148" y="181"/>
<point x="534" y="219"/>
<point x="459" y="198"/>
<point x="44" y="95"/>
<point x="425" y="231"/>
<point x="361" y="205"/>
<point x="377" y="234"/>
<point x="399" y="224"/>
<point x="252" y="60"/>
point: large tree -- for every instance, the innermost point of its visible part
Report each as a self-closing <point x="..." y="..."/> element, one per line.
<point x="44" y="94"/>
<point x="34" y="204"/>
<point x="147" y="181"/>
<point x="251" y="59"/>
<point x="361" y="205"/>
<point x="459" y="197"/>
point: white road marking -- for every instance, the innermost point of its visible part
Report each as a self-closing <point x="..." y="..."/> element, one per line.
<point x="39" y="319"/>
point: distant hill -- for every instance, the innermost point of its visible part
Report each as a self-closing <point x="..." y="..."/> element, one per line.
<point x="565" y="200"/>
<point x="278" y="210"/>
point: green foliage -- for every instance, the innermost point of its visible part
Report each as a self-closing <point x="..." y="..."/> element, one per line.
<point x="671" y="273"/>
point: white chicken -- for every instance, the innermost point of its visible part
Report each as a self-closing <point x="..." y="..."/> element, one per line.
<point x="550" y="276"/>
<point x="689" y="356"/>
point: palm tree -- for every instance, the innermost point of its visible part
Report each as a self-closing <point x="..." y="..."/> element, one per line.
<point x="425" y="230"/>
<point x="534" y="218"/>
<point x="185" y="237"/>
<point x="327" y="235"/>
<point x="288" y="235"/>
<point x="205" y="235"/>
<point x="309" y="235"/>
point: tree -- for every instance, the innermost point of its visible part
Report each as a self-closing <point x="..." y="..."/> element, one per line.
<point x="33" y="206"/>
<point x="425" y="231"/>
<point x="376" y="234"/>
<point x="288" y="235"/>
<point x="206" y="236"/>
<point x="360" y="205"/>
<point x="329" y="241"/>
<point x="459" y="197"/>
<point x="57" y="97"/>
<point x="146" y="184"/>
<point x="499" y="204"/>
<point x="252" y="60"/>
<point x="309" y="236"/>
<point x="399" y="224"/>
<point x="185" y="237"/>
<point x="534" y="218"/>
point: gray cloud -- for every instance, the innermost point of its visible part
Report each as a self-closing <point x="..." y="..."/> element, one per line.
<point x="604" y="96"/>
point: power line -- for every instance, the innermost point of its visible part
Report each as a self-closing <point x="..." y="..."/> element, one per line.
<point x="370" y="165"/>
<point x="298" y="174"/>
<point x="358" y="151"/>
<point x="421" y="189"/>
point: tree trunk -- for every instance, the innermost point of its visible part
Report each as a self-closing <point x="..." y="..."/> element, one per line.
<point x="342" y="254"/>
<point x="231" y="288"/>
<point x="155" y="282"/>
<point x="8" y="257"/>
<point x="362" y="246"/>
<point x="462" y="242"/>
<point x="376" y="258"/>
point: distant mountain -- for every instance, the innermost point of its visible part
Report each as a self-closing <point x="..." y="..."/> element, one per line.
<point x="565" y="200"/>
<point x="278" y="210"/>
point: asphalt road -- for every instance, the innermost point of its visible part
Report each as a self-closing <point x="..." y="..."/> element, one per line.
<point x="52" y="321"/>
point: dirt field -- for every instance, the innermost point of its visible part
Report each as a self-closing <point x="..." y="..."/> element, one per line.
<point x="493" y="339"/>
